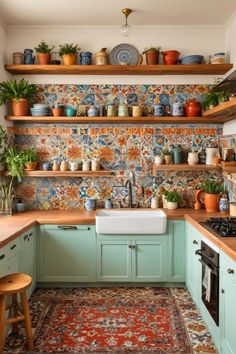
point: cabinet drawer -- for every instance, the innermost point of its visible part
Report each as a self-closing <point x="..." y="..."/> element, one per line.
<point x="67" y="227"/>
<point x="228" y="266"/>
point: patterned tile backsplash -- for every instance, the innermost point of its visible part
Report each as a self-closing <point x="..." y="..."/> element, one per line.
<point x="120" y="147"/>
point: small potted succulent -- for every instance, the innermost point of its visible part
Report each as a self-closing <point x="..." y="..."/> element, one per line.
<point x="167" y="156"/>
<point x="44" y="53"/>
<point x="30" y="158"/>
<point x="68" y="52"/>
<point x="172" y="198"/>
<point x="57" y="110"/>
<point x="152" y="55"/>
<point x="19" y="94"/>
<point x="213" y="190"/>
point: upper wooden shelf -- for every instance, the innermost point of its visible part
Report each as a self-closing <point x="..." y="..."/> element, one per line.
<point x="126" y="120"/>
<point x="197" y="69"/>
<point x="42" y="173"/>
<point x="225" y="109"/>
<point x="184" y="167"/>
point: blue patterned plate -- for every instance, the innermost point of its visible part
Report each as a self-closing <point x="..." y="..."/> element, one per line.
<point x="124" y="54"/>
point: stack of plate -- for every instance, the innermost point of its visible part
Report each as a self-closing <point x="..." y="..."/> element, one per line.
<point x="40" y="110"/>
<point x="192" y="59"/>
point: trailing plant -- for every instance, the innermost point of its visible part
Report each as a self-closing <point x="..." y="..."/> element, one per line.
<point x="68" y="48"/>
<point x="43" y="47"/>
<point x="173" y="196"/>
<point x="14" y="160"/>
<point x="151" y="49"/>
<point x="166" y="152"/>
<point x="12" y="89"/>
<point x="3" y="137"/>
<point x="29" y="155"/>
<point x="213" y="187"/>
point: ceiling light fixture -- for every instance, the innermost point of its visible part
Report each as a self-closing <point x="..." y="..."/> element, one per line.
<point x="125" y="29"/>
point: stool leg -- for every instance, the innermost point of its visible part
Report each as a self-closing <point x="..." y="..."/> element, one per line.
<point x="15" y="327"/>
<point x="27" y="320"/>
<point x="2" y="321"/>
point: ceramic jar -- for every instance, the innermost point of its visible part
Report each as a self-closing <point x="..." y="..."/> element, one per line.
<point x="92" y="112"/>
<point x="224" y="205"/>
<point x="177" y="109"/>
<point x="111" y="112"/>
<point x="102" y="57"/>
<point x="70" y="111"/>
<point x="46" y="166"/>
<point x="170" y="57"/>
<point x="63" y="166"/>
<point x="20" y="207"/>
<point x="28" y="56"/>
<point x="90" y="204"/>
<point x="168" y="159"/>
<point x="193" y="108"/>
<point x="85" y="58"/>
<point x="177" y="154"/>
<point x="137" y="111"/>
<point x="154" y="203"/>
<point x="18" y="58"/>
<point x="193" y="158"/>
<point x="86" y="165"/>
<point x="158" y="160"/>
<point x="73" y="165"/>
<point x="210" y="153"/>
<point x="123" y="110"/>
<point x="159" y="110"/>
<point x="56" y="166"/>
<point x="95" y="165"/>
<point x="172" y="205"/>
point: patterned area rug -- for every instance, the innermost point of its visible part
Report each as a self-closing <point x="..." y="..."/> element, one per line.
<point x="138" y="320"/>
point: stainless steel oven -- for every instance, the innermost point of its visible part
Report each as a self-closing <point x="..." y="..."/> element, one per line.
<point x="209" y="259"/>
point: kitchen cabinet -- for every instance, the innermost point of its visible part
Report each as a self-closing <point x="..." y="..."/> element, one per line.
<point x="227" y="304"/>
<point x="176" y="253"/>
<point x="3" y="261"/>
<point x="193" y="266"/>
<point x="66" y="253"/>
<point x="28" y="257"/>
<point x="10" y="258"/>
<point x="137" y="258"/>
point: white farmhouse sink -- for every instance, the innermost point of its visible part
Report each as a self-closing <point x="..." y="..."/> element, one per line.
<point x="131" y="222"/>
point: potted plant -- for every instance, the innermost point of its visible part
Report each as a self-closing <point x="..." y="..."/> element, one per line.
<point x="152" y="55"/>
<point x="167" y="156"/>
<point x="213" y="190"/>
<point x="69" y="52"/>
<point x="57" y="110"/>
<point x="14" y="160"/>
<point x="19" y="94"/>
<point x="30" y="159"/>
<point x="43" y="53"/>
<point x="210" y="100"/>
<point x="222" y="96"/>
<point x="3" y="145"/>
<point x="172" y="198"/>
<point x="6" y="198"/>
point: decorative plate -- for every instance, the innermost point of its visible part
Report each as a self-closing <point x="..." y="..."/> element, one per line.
<point x="124" y="54"/>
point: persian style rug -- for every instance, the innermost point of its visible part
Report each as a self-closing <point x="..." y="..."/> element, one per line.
<point x="114" y="320"/>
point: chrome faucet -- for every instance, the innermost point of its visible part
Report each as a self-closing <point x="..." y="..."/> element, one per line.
<point x="129" y="185"/>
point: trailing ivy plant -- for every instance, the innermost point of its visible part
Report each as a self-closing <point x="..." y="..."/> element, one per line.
<point x="12" y="89"/>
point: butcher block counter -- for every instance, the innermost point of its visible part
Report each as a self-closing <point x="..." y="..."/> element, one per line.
<point x="13" y="226"/>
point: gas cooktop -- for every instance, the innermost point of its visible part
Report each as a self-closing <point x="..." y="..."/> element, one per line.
<point x="224" y="227"/>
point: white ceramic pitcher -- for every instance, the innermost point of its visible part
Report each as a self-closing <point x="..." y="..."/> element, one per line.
<point x="210" y="153"/>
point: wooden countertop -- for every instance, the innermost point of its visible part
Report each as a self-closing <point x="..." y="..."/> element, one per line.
<point x="12" y="226"/>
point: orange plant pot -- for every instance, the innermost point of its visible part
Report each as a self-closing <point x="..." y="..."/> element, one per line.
<point x="152" y="57"/>
<point x="44" y="58"/>
<point x="69" y="59"/>
<point x="20" y="108"/>
<point x="212" y="202"/>
<point x="31" y="166"/>
<point x="57" y="112"/>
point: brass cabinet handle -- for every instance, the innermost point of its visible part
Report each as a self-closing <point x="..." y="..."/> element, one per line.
<point x="230" y="271"/>
<point x="25" y="237"/>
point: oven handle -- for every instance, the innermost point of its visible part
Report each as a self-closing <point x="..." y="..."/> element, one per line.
<point x="210" y="266"/>
<point x="199" y="253"/>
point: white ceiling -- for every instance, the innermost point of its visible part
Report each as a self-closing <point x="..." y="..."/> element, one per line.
<point x="108" y="12"/>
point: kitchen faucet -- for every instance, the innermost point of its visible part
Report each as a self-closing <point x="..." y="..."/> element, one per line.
<point x="129" y="185"/>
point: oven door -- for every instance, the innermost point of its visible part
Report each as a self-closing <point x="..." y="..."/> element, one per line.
<point x="210" y="297"/>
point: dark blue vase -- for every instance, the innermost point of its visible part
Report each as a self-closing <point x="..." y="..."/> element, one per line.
<point x="85" y="58"/>
<point x="28" y="56"/>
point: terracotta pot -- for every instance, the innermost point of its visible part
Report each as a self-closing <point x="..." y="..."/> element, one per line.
<point x="57" y="112"/>
<point x="199" y="198"/>
<point x="212" y="202"/>
<point x="168" y="159"/>
<point x="170" y="57"/>
<point x="152" y="57"/>
<point x="44" y="58"/>
<point x="193" y="108"/>
<point x="20" y="108"/>
<point x="69" y="59"/>
<point x="31" y="166"/>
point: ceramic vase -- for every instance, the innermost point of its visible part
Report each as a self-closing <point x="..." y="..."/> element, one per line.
<point x="172" y="205"/>
<point x="212" y="202"/>
<point x="168" y="159"/>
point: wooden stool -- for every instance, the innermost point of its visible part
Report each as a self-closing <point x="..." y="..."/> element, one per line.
<point x="12" y="285"/>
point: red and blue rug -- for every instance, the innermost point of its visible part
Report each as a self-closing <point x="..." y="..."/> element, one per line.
<point x="93" y="320"/>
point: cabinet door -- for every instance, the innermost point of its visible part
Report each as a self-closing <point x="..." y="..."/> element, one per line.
<point x="114" y="261"/>
<point x="67" y="253"/>
<point x="149" y="260"/>
<point x="193" y="266"/>
<point x="3" y="262"/>
<point x="27" y="259"/>
<point x="13" y="257"/>
<point x="177" y="250"/>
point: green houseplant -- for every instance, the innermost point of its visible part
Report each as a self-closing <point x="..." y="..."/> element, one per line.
<point x="210" y="100"/>
<point x="19" y="94"/>
<point x="152" y="55"/>
<point x="222" y="96"/>
<point x="43" y="53"/>
<point x="30" y="159"/>
<point x="68" y="52"/>
<point x="213" y="190"/>
<point x="3" y="145"/>
<point x="172" y="198"/>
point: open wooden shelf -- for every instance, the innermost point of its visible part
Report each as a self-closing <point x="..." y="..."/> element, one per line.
<point x="126" y="120"/>
<point x="225" y="109"/>
<point x="196" y="69"/>
<point x="41" y="173"/>
<point x="184" y="167"/>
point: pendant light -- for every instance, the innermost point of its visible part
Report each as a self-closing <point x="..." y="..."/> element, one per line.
<point x="125" y="29"/>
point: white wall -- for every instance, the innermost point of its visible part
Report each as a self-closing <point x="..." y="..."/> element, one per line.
<point x="203" y="40"/>
<point x="230" y="46"/>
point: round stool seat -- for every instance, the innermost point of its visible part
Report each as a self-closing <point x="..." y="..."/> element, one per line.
<point x="14" y="283"/>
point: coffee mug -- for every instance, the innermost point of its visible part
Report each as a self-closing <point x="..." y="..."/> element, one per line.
<point x="70" y="111"/>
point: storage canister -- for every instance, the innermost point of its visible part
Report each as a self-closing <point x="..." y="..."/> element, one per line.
<point x="18" y="58"/>
<point x="101" y="57"/>
<point x="136" y="111"/>
<point x="123" y="110"/>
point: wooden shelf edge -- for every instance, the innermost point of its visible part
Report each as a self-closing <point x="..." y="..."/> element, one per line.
<point x="225" y="109"/>
<point x="118" y="120"/>
<point x="41" y="173"/>
<point x="193" y="69"/>
<point x="184" y="167"/>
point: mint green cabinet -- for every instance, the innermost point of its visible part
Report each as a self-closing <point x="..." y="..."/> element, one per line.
<point x="66" y="253"/>
<point x="193" y="266"/>
<point x="3" y="261"/>
<point x="176" y="251"/>
<point x="227" y="304"/>
<point x="10" y="258"/>
<point x="28" y="256"/>
<point x="137" y="258"/>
